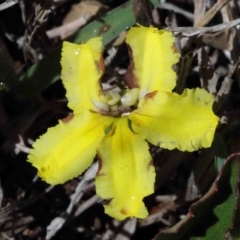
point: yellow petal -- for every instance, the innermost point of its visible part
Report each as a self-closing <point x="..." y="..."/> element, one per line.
<point x="186" y="122"/>
<point x="127" y="175"/>
<point x="82" y="68"/>
<point x="153" y="57"/>
<point x="68" y="149"/>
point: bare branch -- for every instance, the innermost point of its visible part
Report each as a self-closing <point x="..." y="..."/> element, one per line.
<point x="8" y="4"/>
<point x="176" y="9"/>
<point x="193" y="31"/>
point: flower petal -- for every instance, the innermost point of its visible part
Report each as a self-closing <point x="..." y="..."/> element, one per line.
<point x="153" y="56"/>
<point x="68" y="149"/>
<point x="82" y="68"/>
<point x="186" y="122"/>
<point x="127" y="175"/>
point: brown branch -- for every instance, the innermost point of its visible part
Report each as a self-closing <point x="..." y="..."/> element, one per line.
<point x="211" y="13"/>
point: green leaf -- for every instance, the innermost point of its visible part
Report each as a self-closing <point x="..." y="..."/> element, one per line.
<point x="234" y="230"/>
<point x="47" y="71"/>
<point x="204" y="169"/>
<point x="209" y="163"/>
<point x="224" y="211"/>
<point x="211" y="216"/>
<point x="220" y="151"/>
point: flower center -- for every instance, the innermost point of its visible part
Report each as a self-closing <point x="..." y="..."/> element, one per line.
<point x="119" y="103"/>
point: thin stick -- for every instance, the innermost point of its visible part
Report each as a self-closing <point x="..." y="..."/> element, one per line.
<point x="8" y="4"/>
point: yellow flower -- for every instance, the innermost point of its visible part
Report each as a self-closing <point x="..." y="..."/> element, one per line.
<point x="115" y="124"/>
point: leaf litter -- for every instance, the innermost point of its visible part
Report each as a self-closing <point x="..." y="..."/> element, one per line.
<point x="207" y="37"/>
